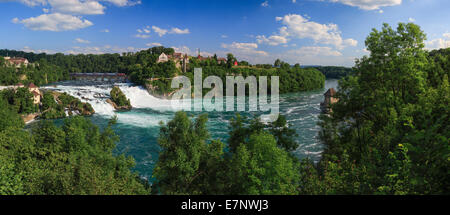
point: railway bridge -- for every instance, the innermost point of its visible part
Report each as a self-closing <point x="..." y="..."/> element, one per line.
<point x="99" y="77"/>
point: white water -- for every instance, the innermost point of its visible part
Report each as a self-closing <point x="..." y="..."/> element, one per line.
<point x="139" y="98"/>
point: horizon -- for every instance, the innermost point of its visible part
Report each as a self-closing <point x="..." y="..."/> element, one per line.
<point x="307" y="32"/>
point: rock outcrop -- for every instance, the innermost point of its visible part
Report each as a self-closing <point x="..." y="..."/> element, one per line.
<point x="118" y="100"/>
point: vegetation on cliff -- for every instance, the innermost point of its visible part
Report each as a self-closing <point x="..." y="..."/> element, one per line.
<point x="55" y="105"/>
<point x="40" y="72"/>
<point x="119" y="100"/>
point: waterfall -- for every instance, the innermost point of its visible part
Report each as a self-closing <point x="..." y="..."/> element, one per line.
<point x="147" y="109"/>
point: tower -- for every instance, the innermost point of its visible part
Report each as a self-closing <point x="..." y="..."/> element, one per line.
<point x="184" y="63"/>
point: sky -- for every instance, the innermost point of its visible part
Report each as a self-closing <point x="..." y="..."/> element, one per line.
<point x="309" y="32"/>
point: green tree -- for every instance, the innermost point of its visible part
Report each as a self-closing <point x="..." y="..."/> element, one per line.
<point x="387" y="104"/>
<point x="260" y="167"/>
<point x="183" y="152"/>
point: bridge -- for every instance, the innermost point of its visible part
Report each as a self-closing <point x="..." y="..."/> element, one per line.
<point x="100" y="77"/>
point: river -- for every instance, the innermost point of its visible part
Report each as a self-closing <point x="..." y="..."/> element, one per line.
<point x="139" y="128"/>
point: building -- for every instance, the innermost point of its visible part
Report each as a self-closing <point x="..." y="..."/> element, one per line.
<point x="176" y="56"/>
<point x="36" y="97"/>
<point x="329" y="100"/>
<point x="16" y="61"/>
<point x="221" y="60"/>
<point x="36" y="93"/>
<point x="162" y="58"/>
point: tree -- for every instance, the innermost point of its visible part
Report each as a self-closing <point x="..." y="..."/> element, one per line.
<point x="277" y="63"/>
<point x="183" y="152"/>
<point x="387" y="133"/>
<point x="283" y="134"/>
<point x="230" y="60"/>
<point x="261" y="168"/>
<point x="8" y="117"/>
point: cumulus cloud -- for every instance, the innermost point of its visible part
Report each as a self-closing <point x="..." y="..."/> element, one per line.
<point x="161" y="32"/>
<point x="79" y="40"/>
<point x="62" y="13"/>
<point x="28" y="49"/>
<point x="153" y="44"/>
<point x="33" y="3"/>
<point x="142" y="36"/>
<point x="272" y="40"/>
<point x="244" y="49"/>
<point x="265" y="4"/>
<point x="122" y="3"/>
<point x="439" y="43"/>
<point x="297" y="26"/>
<point x="54" y="22"/>
<point x="315" y="51"/>
<point x="179" y="31"/>
<point x="77" y="7"/>
<point x="369" y="4"/>
<point x="30" y="3"/>
<point x="101" y="49"/>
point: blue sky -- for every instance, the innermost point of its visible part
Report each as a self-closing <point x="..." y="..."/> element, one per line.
<point x="309" y="32"/>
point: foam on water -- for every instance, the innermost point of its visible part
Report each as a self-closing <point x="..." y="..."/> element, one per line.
<point x="139" y="98"/>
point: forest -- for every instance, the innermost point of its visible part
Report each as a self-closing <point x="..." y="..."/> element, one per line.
<point x="142" y="66"/>
<point x="387" y="134"/>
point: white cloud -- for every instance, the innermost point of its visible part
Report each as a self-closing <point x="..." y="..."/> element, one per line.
<point x="105" y="31"/>
<point x="315" y="51"/>
<point x="122" y="3"/>
<point x="179" y="31"/>
<point x="410" y="19"/>
<point x="28" y="49"/>
<point x="244" y="49"/>
<point x="79" y="40"/>
<point x="350" y="42"/>
<point x="54" y="22"/>
<point x="273" y="40"/>
<point x="77" y="7"/>
<point x="184" y="50"/>
<point x="369" y="4"/>
<point x="161" y="32"/>
<point x="118" y="3"/>
<point x="446" y="35"/>
<point x="265" y="4"/>
<point x="153" y="44"/>
<point x="30" y="3"/>
<point x="87" y="50"/>
<point x="224" y="36"/>
<point x="439" y="43"/>
<point x="142" y="36"/>
<point x="62" y="11"/>
<point x="297" y="26"/>
<point x="101" y="49"/>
